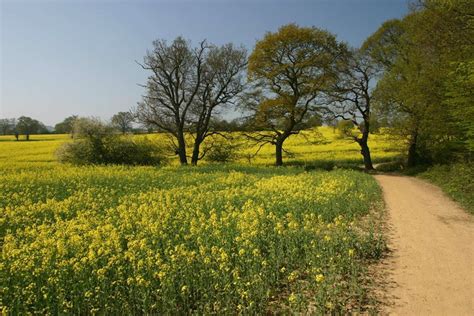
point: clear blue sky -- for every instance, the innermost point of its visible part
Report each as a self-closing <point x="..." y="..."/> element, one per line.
<point x="60" y="58"/>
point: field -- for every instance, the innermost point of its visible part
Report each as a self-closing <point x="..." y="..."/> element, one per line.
<point x="212" y="239"/>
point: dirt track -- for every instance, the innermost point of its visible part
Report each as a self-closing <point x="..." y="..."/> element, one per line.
<point x="431" y="266"/>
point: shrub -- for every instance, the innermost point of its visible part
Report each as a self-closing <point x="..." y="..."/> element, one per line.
<point x="222" y="151"/>
<point x="96" y="143"/>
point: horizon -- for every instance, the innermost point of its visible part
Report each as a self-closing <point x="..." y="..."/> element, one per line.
<point x="60" y="59"/>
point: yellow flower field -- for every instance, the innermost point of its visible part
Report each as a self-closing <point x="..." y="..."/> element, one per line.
<point x="217" y="239"/>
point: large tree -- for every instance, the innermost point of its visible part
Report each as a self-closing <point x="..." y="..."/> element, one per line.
<point x="351" y="97"/>
<point x="289" y="69"/>
<point x="186" y="88"/>
<point x="176" y="74"/>
<point x="222" y="81"/>
<point x="426" y="55"/>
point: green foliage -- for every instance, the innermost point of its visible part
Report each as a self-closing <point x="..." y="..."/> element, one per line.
<point x="222" y="151"/>
<point x="66" y="126"/>
<point x="96" y="143"/>
<point x="289" y="70"/>
<point x="345" y="128"/>
<point x="456" y="180"/>
<point x="425" y="90"/>
<point x="27" y="126"/>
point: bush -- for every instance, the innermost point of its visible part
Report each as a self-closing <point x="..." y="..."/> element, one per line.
<point x="96" y="143"/>
<point x="111" y="150"/>
<point x="222" y="151"/>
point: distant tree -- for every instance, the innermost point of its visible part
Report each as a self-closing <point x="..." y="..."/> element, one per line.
<point x="66" y="126"/>
<point x="27" y="126"/>
<point x="7" y="126"/>
<point x="123" y="121"/>
<point x="290" y="69"/>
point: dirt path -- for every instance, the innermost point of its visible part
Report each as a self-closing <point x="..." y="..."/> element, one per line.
<point x="431" y="265"/>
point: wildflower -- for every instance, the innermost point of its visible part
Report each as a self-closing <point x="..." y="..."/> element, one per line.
<point x="319" y="278"/>
<point x="292" y="298"/>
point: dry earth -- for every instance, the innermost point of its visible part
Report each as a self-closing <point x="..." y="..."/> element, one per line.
<point x="430" y="269"/>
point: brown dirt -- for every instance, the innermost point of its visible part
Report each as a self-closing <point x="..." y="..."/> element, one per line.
<point x="430" y="268"/>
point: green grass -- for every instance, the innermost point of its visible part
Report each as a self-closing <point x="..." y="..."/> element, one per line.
<point x="457" y="180"/>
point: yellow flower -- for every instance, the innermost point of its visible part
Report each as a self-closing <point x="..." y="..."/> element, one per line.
<point x="351" y="252"/>
<point x="292" y="298"/>
<point x="319" y="278"/>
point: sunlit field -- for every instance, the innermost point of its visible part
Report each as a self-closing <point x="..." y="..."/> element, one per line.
<point x="324" y="145"/>
<point x="173" y="240"/>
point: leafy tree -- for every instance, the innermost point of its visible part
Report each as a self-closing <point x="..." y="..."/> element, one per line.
<point x="66" y="126"/>
<point x="27" y="126"/>
<point x="123" y="121"/>
<point x="416" y="91"/>
<point x="289" y="69"/>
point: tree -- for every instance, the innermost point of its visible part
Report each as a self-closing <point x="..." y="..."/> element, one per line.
<point x="351" y="98"/>
<point x="7" y="126"/>
<point x="222" y="81"/>
<point x="27" y="126"/>
<point x="289" y="69"/>
<point x="123" y="121"/>
<point x="171" y="88"/>
<point x="186" y="89"/>
<point x="415" y="91"/>
<point x="66" y="126"/>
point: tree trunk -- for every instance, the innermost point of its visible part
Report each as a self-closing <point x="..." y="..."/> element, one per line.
<point x="279" y="153"/>
<point x="412" y="154"/>
<point x="365" y="151"/>
<point x="364" y="148"/>
<point x="195" y="156"/>
<point x="27" y="137"/>
<point x="182" y="149"/>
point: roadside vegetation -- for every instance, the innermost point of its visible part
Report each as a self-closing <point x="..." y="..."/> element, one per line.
<point x="455" y="180"/>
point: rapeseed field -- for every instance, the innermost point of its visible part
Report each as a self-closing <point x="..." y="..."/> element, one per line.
<point x="220" y="239"/>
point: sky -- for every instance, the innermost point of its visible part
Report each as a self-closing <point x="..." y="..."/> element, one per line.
<point x="65" y="57"/>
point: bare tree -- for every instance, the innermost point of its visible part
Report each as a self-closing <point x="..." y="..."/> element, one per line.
<point x="123" y="121"/>
<point x="171" y="88"/>
<point x="187" y="88"/>
<point x="351" y="98"/>
<point x="222" y="81"/>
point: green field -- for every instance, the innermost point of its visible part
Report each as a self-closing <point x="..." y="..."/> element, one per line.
<point x="166" y="240"/>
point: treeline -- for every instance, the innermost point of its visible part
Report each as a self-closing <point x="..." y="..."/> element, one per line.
<point x="24" y="125"/>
